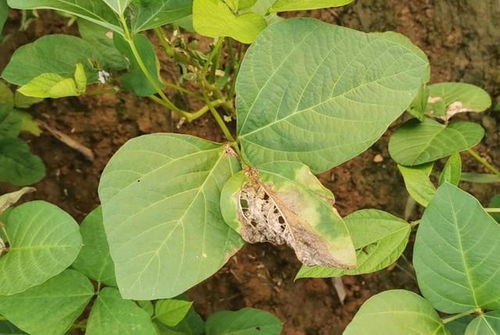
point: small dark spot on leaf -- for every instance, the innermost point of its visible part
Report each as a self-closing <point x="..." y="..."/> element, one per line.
<point x="257" y="328"/>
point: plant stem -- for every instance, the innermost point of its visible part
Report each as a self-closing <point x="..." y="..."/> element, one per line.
<point x="414" y="223"/>
<point x="483" y="161"/>
<point x="461" y="315"/>
<point x="206" y="108"/>
<point x="492" y="210"/>
<point x="218" y="118"/>
<point x="166" y="101"/>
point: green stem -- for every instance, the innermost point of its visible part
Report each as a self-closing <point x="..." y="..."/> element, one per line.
<point x="170" y="50"/>
<point x="219" y="120"/>
<point x="461" y="315"/>
<point x="492" y="210"/>
<point x="206" y="108"/>
<point x="414" y="223"/>
<point x="483" y="161"/>
<point x="166" y="101"/>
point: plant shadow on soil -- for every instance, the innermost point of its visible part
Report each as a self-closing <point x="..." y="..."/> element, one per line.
<point x="260" y="276"/>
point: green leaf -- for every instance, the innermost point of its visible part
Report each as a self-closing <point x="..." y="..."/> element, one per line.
<point x="416" y="142"/>
<point x="452" y="171"/>
<point x="246" y="321"/>
<point x="113" y="315"/>
<point x="192" y="324"/>
<point x="135" y="81"/>
<point x="485" y="324"/>
<point x="101" y="39"/>
<point x="213" y="18"/>
<point x="57" y="54"/>
<point x="284" y="203"/>
<point x="50" y="85"/>
<point x="379" y="238"/>
<point x="147" y="305"/>
<point x="151" y="14"/>
<point x="456" y="253"/>
<point x="11" y="122"/>
<point x="417" y="182"/>
<point x="6" y="98"/>
<point x="28" y="124"/>
<point x="7" y="328"/>
<point x="292" y="5"/>
<point x="93" y="10"/>
<point x="495" y="203"/>
<point x="118" y="6"/>
<point x="51" y="308"/>
<point x="18" y="165"/>
<point x="22" y="101"/>
<point x="4" y="13"/>
<point x="44" y="240"/>
<point x="481" y="178"/>
<point x="9" y="199"/>
<point x="326" y="109"/>
<point x="172" y="311"/>
<point x="160" y="197"/>
<point x="94" y="260"/>
<point x="458" y="326"/>
<point x="457" y="98"/>
<point x="396" y="312"/>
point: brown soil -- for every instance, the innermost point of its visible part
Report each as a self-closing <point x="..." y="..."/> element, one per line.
<point x="262" y="276"/>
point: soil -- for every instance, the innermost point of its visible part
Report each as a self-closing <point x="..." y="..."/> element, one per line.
<point x="262" y="276"/>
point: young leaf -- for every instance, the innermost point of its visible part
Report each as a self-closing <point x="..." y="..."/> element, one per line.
<point x="456" y="253"/>
<point x="291" y="5"/>
<point x="113" y="315"/>
<point x="57" y="54"/>
<point x="326" y="109"/>
<point x="485" y="324"/>
<point x="172" y="311"/>
<point x="452" y="170"/>
<point x="246" y="321"/>
<point x="9" y="199"/>
<point x="417" y="182"/>
<point x="94" y="260"/>
<point x="396" y="312"/>
<point x="51" y="308"/>
<point x="416" y="142"/>
<point x="18" y="165"/>
<point x="284" y="203"/>
<point x="481" y="178"/>
<point x="43" y="241"/>
<point x="160" y="197"/>
<point x="118" y="6"/>
<point x="457" y="98"/>
<point x="52" y="85"/>
<point x="192" y="324"/>
<point x="151" y="14"/>
<point x="214" y="18"/>
<point x="135" y="80"/>
<point x="379" y="239"/>
<point x="93" y="10"/>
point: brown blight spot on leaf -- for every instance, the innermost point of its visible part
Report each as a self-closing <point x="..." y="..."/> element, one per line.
<point x="275" y="217"/>
<point x="9" y="199"/>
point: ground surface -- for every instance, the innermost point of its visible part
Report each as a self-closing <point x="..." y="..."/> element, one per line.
<point x="262" y="276"/>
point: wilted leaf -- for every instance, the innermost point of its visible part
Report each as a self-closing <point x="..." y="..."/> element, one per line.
<point x="416" y="142"/>
<point x="160" y="196"/>
<point x="44" y="240"/>
<point x="18" y="165"/>
<point x="326" y="109"/>
<point x="51" y="308"/>
<point x="456" y="253"/>
<point x="417" y="182"/>
<point x="94" y="260"/>
<point x="9" y="199"/>
<point x="246" y="321"/>
<point x="284" y="203"/>
<point x="396" y="312"/>
<point x="379" y="239"/>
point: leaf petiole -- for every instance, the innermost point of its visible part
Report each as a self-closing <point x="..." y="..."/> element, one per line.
<point x="483" y="161"/>
<point x="461" y="315"/>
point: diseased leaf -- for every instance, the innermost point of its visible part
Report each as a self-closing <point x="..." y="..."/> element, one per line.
<point x="213" y="18"/>
<point x="417" y="182"/>
<point x="326" y="109"/>
<point x="416" y="142"/>
<point x="94" y="260"/>
<point x="452" y="170"/>
<point x="456" y="253"/>
<point x="291" y="5"/>
<point x="481" y="178"/>
<point x="58" y="54"/>
<point x="456" y="98"/>
<point x="379" y="239"/>
<point x="246" y="321"/>
<point x="396" y="312"/>
<point x="18" y="165"/>
<point x="93" y="10"/>
<point x="9" y="199"/>
<point x="485" y="324"/>
<point x="51" y="308"/>
<point x="151" y="14"/>
<point x="160" y="196"/>
<point x="284" y="203"/>
<point x="135" y="81"/>
<point x="172" y="311"/>
<point x="112" y="315"/>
